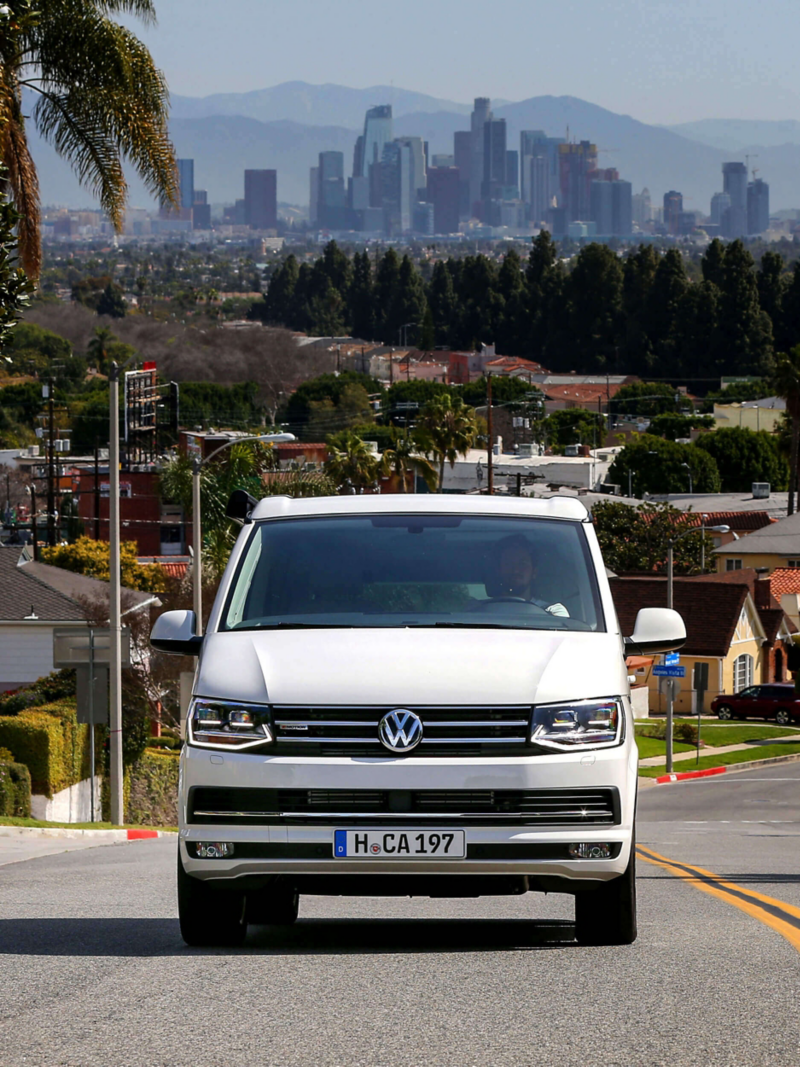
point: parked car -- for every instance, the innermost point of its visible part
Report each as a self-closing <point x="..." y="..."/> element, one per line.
<point x="778" y="701"/>
<point x="409" y="696"/>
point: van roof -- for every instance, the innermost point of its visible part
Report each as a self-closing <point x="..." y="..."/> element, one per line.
<point x="275" y="507"/>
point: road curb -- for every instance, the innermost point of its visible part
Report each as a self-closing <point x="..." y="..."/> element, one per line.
<point x="729" y="768"/>
<point x="94" y="835"/>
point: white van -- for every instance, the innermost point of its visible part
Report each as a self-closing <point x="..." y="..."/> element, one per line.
<point x="409" y="695"/>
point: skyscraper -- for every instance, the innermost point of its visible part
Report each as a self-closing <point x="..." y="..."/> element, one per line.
<point x="734" y="183"/>
<point x="673" y="208"/>
<point x="482" y="113"/>
<point x="444" y="193"/>
<point x="413" y="178"/>
<point x="601" y="207"/>
<point x="378" y="131"/>
<point x="720" y="202"/>
<point x="642" y="207"/>
<point x="757" y="206"/>
<point x="494" y="159"/>
<point x="621" y="208"/>
<point x="539" y="167"/>
<point x="261" y="199"/>
<point x="332" y="208"/>
<point x="512" y="173"/>
<point x="186" y="182"/>
<point x="313" y="195"/>
<point x="462" y="154"/>
<point x="576" y="161"/>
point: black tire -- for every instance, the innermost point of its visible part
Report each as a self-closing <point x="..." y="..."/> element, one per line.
<point x="276" y="906"/>
<point x="607" y="916"/>
<point x="783" y="716"/>
<point x="725" y="712"/>
<point x="209" y="916"/>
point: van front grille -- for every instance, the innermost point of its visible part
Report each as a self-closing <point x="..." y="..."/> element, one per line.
<point x="447" y="731"/>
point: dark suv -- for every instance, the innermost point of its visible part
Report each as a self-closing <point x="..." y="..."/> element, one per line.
<point x="777" y="701"/>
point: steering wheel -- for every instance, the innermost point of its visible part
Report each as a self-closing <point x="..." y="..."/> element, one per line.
<point x="488" y="605"/>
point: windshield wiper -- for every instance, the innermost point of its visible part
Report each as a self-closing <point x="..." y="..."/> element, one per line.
<point x="296" y="626"/>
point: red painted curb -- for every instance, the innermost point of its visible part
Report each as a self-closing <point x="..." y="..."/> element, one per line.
<point x="690" y="774"/>
<point x="138" y="835"/>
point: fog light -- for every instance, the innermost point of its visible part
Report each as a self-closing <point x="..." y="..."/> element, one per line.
<point x="590" y="851"/>
<point x="213" y="850"/>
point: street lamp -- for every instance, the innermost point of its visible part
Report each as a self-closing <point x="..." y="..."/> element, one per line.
<point x="670" y="546"/>
<point x="689" y="469"/>
<point x="197" y="463"/>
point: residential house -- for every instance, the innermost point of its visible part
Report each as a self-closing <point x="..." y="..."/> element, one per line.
<point x="36" y="599"/>
<point x="739" y="642"/>
<point x="773" y="546"/>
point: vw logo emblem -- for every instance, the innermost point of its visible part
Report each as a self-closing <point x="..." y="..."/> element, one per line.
<point x="400" y="730"/>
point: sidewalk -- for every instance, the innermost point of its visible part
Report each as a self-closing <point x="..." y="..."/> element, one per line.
<point x="18" y="843"/>
<point x="708" y="750"/>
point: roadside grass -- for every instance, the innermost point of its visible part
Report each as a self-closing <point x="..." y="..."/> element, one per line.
<point x="652" y="746"/>
<point x="727" y="734"/>
<point x="725" y="759"/>
<point x="40" y="824"/>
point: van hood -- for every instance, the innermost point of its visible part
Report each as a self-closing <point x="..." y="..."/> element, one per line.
<point x="411" y="666"/>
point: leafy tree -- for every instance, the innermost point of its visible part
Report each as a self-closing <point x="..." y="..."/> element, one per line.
<point x="659" y="466"/>
<point x="745" y="456"/>
<point x="403" y="458"/>
<point x="786" y="380"/>
<point x="673" y="426"/>
<point x="327" y="417"/>
<point x="90" y="557"/>
<point x="637" y="539"/>
<point x="446" y="429"/>
<point x="505" y="390"/>
<point x="325" y="387"/>
<point x="85" y="70"/>
<point x="573" y="426"/>
<point x="351" y="463"/>
<point x="646" y="398"/>
<point x="15" y="287"/>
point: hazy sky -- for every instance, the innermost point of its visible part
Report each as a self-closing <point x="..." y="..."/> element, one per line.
<point x="658" y="60"/>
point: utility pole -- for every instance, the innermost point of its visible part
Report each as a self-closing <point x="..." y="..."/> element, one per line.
<point x="114" y="616"/>
<point x="490" y="457"/>
<point x="96" y="491"/>
<point x="34" y="533"/>
<point x="51" y="497"/>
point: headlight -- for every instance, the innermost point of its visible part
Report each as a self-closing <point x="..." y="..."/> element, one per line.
<point x="228" y="724"/>
<point x="582" y="723"/>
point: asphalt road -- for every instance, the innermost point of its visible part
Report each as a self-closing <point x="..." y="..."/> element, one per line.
<point x="93" y="971"/>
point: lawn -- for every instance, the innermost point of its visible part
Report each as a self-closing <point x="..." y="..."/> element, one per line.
<point x="742" y="755"/>
<point x="651" y="746"/>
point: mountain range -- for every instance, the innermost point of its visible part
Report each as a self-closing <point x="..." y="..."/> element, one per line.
<point x="286" y="126"/>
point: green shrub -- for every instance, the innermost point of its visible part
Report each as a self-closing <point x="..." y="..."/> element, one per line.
<point x="153" y="796"/>
<point x="55" y="686"/>
<point x="172" y="743"/>
<point x="681" y="731"/>
<point x="51" y="743"/>
<point x="15" y="790"/>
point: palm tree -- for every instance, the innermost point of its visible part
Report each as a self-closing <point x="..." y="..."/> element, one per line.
<point x="403" y="458"/>
<point x="99" y="99"/>
<point x="786" y="383"/>
<point x="350" y="462"/>
<point x="446" y="429"/>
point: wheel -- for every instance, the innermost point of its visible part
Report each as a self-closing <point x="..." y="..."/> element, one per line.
<point x="209" y="916"/>
<point x="607" y="916"/>
<point x="725" y="711"/>
<point x="276" y="906"/>
<point x="783" y="716"/>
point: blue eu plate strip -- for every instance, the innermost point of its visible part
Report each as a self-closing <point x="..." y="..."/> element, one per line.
<point x="340" y="842"/>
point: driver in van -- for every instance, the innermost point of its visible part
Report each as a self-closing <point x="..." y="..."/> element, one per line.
<point x="517" y="570"/>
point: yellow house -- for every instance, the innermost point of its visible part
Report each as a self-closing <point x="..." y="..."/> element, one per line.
<point x="762" y="414"/>
<point x="731" y="641"/>
<point x="773" y="546"/>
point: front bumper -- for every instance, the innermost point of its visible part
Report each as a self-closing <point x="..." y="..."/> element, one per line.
<point x="293" y="848"/>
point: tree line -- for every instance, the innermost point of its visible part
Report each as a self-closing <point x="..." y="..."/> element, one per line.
<point x="599" y="313"/>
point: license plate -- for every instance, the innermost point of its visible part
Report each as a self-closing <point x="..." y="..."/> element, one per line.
<point x="399" y="844"/>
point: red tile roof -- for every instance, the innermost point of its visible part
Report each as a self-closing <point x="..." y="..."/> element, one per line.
<point x="583" y="393"/>
<point x="737" y="520"/>
<point x="784" y="580"/>
<point x="709" y="610"/>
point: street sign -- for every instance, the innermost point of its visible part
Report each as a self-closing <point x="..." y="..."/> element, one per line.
<point x="96" y="709"/>
<point x="71" y="646"/>
<point x="672" y="659"/>
<point x="663" y="671"/>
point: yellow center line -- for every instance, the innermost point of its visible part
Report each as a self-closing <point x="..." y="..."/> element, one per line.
<point x="772" y="912"/>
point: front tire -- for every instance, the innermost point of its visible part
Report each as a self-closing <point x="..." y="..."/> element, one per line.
<point x="276" y="906"/>
<point x="607" y="916"/>
<point x="783" y="716"/>
<point x="725" y="712"/>
<point x="208" y="916"/>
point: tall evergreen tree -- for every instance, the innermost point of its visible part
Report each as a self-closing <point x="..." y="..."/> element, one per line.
<point x="387" y="283"/>
<point x="772" y="284"/>
<point x="661" y="309"/>
<point x="745" y="331"/>
<point x="638" y="275"/>
<point x="788" y="334"/>
<point x="595" y="288"/>
<point x="443" y="304"/>
<point x="362" y="299"/>
<point x="713" y="261"/>
<point x="276" y="305"/>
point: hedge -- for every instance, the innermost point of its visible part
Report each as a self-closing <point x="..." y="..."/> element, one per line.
<point x="150" y="790"/>
<point x="15" y="790"/>
<point x="52" y="745"/>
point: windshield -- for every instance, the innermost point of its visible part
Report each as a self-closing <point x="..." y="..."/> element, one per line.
<point x="415" y="570"/>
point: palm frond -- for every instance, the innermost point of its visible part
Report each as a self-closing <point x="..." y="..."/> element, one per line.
<point x="141" y="9"/>
<point x="23" y="183"/>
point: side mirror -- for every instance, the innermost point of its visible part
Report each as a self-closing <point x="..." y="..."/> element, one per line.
<point x="240" y="506"/>
<point x="174" y="633"/>
<point x="656" y="630"/>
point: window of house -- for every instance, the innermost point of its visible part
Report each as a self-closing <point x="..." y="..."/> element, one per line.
<point x="742" y="672"/>
<point x="793" y="563"/>
<point x="733" y="564"/>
